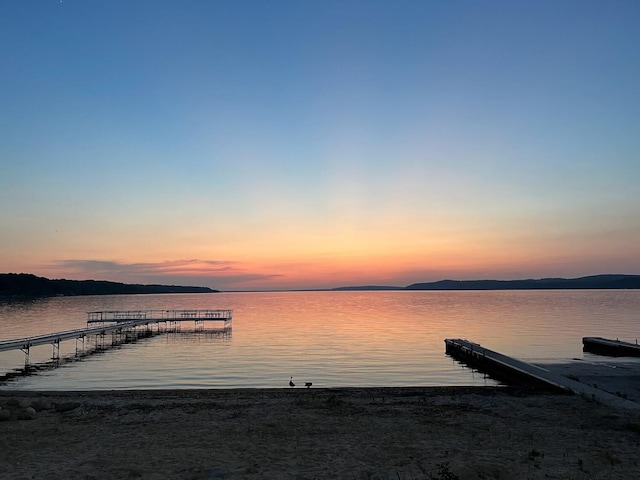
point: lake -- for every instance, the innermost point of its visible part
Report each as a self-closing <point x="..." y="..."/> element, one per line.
<point x="333" y="339"/>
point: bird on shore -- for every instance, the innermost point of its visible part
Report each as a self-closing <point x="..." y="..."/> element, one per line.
<point x="308" y="384"/>
<point x="291" y="384"/>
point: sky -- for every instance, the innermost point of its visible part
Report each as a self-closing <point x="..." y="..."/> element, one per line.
<point x="252" y="145"/>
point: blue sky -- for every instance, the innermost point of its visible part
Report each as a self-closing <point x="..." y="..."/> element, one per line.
<point x="250" y="145"/>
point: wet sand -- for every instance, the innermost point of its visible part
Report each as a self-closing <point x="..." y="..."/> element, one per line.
<point x="378" y="433"/>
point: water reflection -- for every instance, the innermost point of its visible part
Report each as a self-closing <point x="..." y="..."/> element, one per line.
<point x="328" y="338"/>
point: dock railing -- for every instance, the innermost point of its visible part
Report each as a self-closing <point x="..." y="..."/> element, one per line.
<point x="107" y="316"/>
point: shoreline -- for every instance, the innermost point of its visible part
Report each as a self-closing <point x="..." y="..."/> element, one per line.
<point x="376" y="432"/>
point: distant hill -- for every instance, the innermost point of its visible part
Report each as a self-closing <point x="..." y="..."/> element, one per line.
<point x="590" y="282"/>
<point x="27" y="285"/>
<point x="366" y="287"/>
<point x="608" y="281"/>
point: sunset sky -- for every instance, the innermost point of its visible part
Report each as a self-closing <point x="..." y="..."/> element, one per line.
<point x="247" y="145"/>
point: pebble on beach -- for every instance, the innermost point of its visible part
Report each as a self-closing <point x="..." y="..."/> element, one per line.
<point x="24" y="408"/>
<point x="27" y="414"/>
<point x="40" y="404"/>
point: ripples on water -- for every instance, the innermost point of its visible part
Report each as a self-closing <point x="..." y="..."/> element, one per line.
<point x="329" y="338"/>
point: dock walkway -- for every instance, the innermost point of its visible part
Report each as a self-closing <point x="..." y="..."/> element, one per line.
<point x="49" y="338"/>
<point x="503" y="367"/>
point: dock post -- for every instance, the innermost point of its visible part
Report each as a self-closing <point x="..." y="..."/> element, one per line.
<point x="100" y="341"/>
<point x="198" y="325"/>
<point x="25" y="349"/>
<point x="56" y="349"/>
<point x="82" y="340"/>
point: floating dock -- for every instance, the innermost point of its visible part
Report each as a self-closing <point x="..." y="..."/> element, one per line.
<point x="511" y="370"/>
<point x="612" y="348"/>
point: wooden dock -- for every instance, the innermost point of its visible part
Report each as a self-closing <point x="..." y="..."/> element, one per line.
<point x="510" y="371"/>
<point x="612" y="348"/>
<point x="502" y="367"/>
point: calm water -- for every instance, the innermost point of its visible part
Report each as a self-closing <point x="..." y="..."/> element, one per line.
<point x="330" y="338"/>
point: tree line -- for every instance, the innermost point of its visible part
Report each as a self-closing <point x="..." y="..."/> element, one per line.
<point x="28" y="285"/>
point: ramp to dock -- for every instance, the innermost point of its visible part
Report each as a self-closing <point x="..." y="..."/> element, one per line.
<point x="511" y="370"/>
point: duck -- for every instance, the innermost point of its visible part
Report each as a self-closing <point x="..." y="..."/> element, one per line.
<point x="291" y="384"/>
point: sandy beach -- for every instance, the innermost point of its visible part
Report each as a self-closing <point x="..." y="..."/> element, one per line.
<point x="376" y="433"/>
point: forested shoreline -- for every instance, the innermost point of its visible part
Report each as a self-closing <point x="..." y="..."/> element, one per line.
<point x="28" y="285"/>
